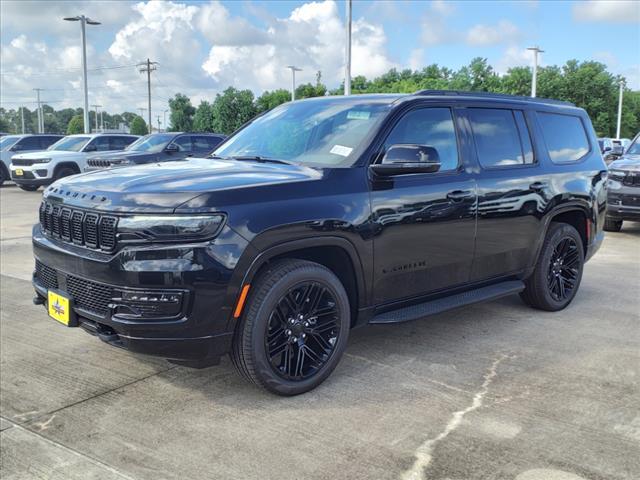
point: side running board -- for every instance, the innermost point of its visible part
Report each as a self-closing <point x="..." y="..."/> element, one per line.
<point x="484" y="294"/>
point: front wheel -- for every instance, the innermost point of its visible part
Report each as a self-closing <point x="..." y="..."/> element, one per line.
<point x="63" y="172"/>
<point x="294" y="329"/>
<point x="556" y="278"/>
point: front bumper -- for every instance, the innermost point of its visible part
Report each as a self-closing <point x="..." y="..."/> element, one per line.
<point x="200" y="273"/>
<point x="36" y="174"/>
<point x="624" y="204"/>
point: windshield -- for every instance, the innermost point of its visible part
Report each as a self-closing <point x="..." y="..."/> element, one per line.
<point x="70" y="144"/>
<point x="7" y="141"/>
<point x="151" y="143"/>
<point x="634" y="148"/>
<point x="321" y="132"/>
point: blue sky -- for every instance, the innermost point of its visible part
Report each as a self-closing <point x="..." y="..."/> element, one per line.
<point x="203" y="47"/>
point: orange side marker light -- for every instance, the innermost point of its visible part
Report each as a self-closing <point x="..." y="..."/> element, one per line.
<point x="243" y="297"/>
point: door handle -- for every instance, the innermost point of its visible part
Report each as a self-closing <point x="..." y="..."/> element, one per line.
<point x="538" y="185"/>
<point x="460" y="195"/>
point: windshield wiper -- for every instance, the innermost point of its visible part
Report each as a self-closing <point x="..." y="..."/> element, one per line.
<point x="256" y="158"/>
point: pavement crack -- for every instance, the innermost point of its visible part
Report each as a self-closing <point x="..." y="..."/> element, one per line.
<point x="424" y="452"/>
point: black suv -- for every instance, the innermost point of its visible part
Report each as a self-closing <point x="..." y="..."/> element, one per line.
<point x="624" y="188"/>
<point x="321" y="215"/>
<point x="158" y="147"/>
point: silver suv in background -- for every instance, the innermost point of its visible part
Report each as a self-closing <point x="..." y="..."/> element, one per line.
<point x="65" y="157"/>
<point x="10" y="145"/>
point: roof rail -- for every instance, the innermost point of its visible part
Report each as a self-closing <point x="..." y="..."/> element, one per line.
<point x="503" y="96"/>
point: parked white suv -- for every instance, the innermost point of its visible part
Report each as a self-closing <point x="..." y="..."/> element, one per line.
<point x="11" y="145"/>
<point x="65" y="157"/>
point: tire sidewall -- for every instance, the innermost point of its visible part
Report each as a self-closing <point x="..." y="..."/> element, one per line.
<point x="263" y="368"/>
<point x="558" y="233"/>
<point x="64" y="172"/>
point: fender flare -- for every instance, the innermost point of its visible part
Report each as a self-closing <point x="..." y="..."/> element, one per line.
<point x="73" y="165"/>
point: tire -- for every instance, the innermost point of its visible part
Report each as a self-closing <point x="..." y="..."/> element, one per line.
<point x="29" y="188"/>
<point x="611" y="225"/>
<point x="558" y="272"/>
<point x="63" y="172"/>
<point x="321" y="337"/>
<point x="3" y="175"/>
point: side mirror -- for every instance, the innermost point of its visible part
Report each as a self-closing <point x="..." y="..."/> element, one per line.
<point x="171" y="148"/>
<point x="408" y="158"/>
<point x="90" y="148"/>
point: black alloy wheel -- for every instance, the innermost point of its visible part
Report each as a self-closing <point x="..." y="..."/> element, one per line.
<point x="564" y="266"/>
<point x="302" y="331"/>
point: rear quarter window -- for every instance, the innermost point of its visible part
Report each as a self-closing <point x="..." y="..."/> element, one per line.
<point x="564" y="135"/>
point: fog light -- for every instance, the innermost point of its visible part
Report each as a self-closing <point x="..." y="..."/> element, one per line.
<point x="147" y="304"/>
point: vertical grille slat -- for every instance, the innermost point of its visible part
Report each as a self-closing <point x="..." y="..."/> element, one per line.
<point x="79" y="227"/>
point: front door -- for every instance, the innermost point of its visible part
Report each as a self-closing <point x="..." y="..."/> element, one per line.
<point x="424" y="223"/>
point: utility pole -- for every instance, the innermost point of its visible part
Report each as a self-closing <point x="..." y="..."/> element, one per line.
<point x="620" y="108"/>
<point x="40" y="116"/>
<point x="83" y="22"/>
<point x="96" y="107"/>
<point x="534" y="81"/>
<point x="347" y="67"/>
<point x="164" y="119"/>
<point x="101" y="121"/>
<point x="148" y="67"/>
<point x="22" y="117"/>
<point x="158" y="116"/>
<point x="294" y="69"/>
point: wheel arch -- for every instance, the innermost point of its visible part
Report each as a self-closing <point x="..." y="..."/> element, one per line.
<point x="336" y="253"/>
<point x="61" y="165"/>
<point x="574" y="214"/>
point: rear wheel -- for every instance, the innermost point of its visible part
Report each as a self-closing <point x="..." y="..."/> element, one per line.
<point x="556" y="278"/>
<point x="29" y="188"/>
<point x="611" y="225"/>
<point x="294" y="329"/>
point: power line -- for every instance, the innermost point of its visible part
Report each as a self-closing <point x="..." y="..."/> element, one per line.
<point x="68" y="70"/>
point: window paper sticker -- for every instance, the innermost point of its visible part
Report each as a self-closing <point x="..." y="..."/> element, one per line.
<point x="358" y="115"/>
<point x="341" y="150"/>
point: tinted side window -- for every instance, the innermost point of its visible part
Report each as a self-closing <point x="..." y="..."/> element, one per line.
<point x="428" y="126"/>
<point x="564" y="135"/>
<point x="46" y="142"/>
<point x="119" y="143"/>
<point x="497" y="137"/>
<point x="101" y="144"/>
<point x="183" y="143"/>
<point x="205" y="143"/>
<point x="29" y="143"/>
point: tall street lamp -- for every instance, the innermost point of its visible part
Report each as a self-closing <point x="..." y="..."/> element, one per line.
<point x="83" y="22"/>
<point x="534" y="81"/>
<point x="293" y="69"/>
<point x="620" y="108"/>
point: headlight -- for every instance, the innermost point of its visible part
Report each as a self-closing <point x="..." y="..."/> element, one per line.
<point x="616" y="174"/>
<point x="41" y="160"/>
<point x="166" y="228"/>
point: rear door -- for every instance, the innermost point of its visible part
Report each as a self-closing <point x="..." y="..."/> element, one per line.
<point x="424" y="223"/>
<point x="512" y="190"/>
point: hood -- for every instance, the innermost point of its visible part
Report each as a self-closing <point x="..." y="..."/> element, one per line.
<point x="46" y="154"/>
<point x="162" y="187"/>
<point x="120" y="154"/>
<point x="627" y="162"/>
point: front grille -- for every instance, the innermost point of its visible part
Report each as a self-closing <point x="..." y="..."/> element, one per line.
<point x="78" y="226"/>
<point x="631" y="180"/>
<point x="88" y="295"/>
<point x="23" y="162"/>
<point x="47" y="276"/>
<point x="98" y="162"/>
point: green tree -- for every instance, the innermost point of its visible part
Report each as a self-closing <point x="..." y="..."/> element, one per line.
<point x="269" y="100"/>
<point x="75" y="125"/>
<point x="232" y="109"/>
<point x="203" y="119"/>
<point x="138" y="126"/>
<point x="4" y="124"/>
<point x="181" y="113"/>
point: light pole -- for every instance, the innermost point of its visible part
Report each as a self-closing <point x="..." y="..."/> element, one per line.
<point x="620" y="108"/>
<point x="83" y="22"/>
<point x="96" y="107"/>
<point x="164" y="119"/>
<point x="40" y="116"/>
<point x="534" y="81"/>
<point x="347" y="67"/>
<point x="293" y="69"/>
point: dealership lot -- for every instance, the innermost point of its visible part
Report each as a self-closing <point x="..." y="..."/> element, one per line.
<point x="496" y="390"/>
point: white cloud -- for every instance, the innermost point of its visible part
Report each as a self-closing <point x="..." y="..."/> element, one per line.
<point x="615" y="11"/>
<point x="515" y="56"/>
<point x="217" y="25"/>
<point x="416" y="59"/>
<point x="485" y="35"/>
<point x="311" y="37"/>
